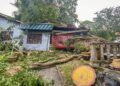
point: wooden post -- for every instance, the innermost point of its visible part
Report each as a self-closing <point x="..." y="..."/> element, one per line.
<point x="93" y="53"/>
<point x="108" y="51"/>
<point x="102" y="52"/>
<point x="118" y="49"/>
<point x="115" y="51"/>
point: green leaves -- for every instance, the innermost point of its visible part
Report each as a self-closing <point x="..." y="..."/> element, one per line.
<point x="54" y="11"/>
<point x="24" y="78"/>
<point x="106" y="23"/>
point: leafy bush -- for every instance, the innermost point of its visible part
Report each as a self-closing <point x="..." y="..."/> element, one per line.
<point x="68" y="43"/>
<point x="79" y="48"/>
<point x="24" y="78"/>
<point x="2" y="47"/>
<point x="6" y="46"/>
<point x="52" y="47"/>
<point x="3" y="67"/>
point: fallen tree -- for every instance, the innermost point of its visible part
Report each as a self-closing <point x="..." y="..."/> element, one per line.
<point x="39" y="65"/>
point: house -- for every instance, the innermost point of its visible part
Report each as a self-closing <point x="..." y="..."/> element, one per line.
<point x="61" y="35"/>
<point x="36" y="36"/>
<point x="9" y="27"/>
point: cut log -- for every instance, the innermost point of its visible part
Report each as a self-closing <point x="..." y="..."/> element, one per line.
<point x="116" y="63"/>
<point x="39" y="65"/>
<point x="84" y="76"/>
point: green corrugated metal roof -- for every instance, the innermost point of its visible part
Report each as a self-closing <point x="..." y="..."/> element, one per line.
<point x="41" y="27"/>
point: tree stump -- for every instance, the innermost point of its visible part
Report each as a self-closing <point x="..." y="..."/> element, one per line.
<point x="84" y="76"/>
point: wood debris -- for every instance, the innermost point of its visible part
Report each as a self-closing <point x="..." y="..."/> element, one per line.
<point x="14" y="70"/>
<point x="116" y="63"/>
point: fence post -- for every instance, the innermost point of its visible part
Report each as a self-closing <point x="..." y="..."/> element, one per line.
<point x="108" y="51"/>
<point x="115" y="51"/>
<point x="93" y="53"/>
<point x="102" y="51"/>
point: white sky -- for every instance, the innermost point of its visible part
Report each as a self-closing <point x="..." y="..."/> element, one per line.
<point x="85" y="9"/>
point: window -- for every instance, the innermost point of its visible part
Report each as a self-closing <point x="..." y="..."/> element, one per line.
<point x="34" y="38"/>
<point x="7" y="35"/>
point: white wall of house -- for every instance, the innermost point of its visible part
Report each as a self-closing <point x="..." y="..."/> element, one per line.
<point x="43" y="46"/>
<point x="17" y="31"/>
<point x="5" y="23"/>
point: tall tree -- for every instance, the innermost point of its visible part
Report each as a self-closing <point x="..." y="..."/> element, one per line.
<point x="62" y="11"/>
<point x="67" y="11"/>
<point x="106" y="23"/>
<point x="35" y="11"/>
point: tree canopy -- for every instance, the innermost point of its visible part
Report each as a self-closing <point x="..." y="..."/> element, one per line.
<point x="106" y="23"/>
<point x="54" y="11"/>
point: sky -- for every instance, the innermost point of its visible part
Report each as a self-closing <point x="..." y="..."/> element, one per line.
<point x="85" y="8"/>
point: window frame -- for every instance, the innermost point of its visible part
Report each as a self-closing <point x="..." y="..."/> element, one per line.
<point x="34" y="38"/>
<point x="6" y="35"/>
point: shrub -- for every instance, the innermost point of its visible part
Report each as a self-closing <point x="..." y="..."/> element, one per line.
<point x="68" y="43"/>
<point x="8" y="46"/>
<point x="2" y="47"/>
<point x="23" y="78"/>
<point x="52" y="47"/>
<point x="79" y="48"/>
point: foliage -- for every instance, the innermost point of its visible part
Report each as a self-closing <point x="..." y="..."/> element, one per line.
<point x="3" y="67"/>
<point x="6" y="46"/>
<point x="88" y="24"/>
<point x="67" y="71"/>
<point x="2" y="47"/>
<point x="79" y="48"/>
<point x="54" y="11"/>
<point x="67" y="11"/>
<point x="68" y="43"/>
<point x="35" y="11"/>
<point x="106" y="23"/>
<point x="24" y="78"/>
<point x="52" y="47"/>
